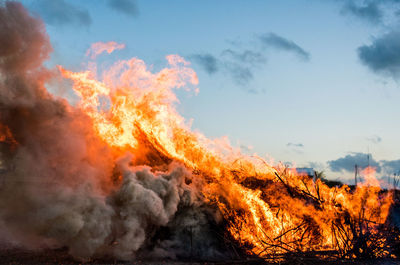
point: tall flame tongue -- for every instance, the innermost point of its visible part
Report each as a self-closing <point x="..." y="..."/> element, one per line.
<point x="268" y="210"/>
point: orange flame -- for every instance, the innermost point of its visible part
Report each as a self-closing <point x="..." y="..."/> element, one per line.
<point x="269" y="210"/>
<point x="369" y="177"/>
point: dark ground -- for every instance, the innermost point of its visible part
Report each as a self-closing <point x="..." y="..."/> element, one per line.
<point x="60" y="256"/>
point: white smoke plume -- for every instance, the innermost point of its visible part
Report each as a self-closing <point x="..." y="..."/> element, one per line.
<point x="55" y="174"/>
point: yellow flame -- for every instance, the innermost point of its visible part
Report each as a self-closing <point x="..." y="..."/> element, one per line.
<point x="269" y="209"/>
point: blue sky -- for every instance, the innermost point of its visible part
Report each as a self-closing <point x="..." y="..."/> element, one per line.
<point x="308" y="81"/>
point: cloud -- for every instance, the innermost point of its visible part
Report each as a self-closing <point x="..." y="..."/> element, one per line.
<point x="241" y="63"/>
<point x="60" y="12"/>
<point x="383" y="55"/>
<point x="299" y="145"/>
<point x="246" y="148"/>
<point x="100" y="47"/>
<point x="278" y="42"/>
<point x="348" y="162"/>
<point x="247" y="56"/>
<point x="127" y="7"/>
<point x="316" y="165"/>
<point x="391" y="166"/>
<point x="207" y="61"/>
<point x="296" y="147"/>
<point x="370" y="12"/>
<point x="288" y="164"/>
<point x="242" y="75"/>
<point x="375" y="139"/>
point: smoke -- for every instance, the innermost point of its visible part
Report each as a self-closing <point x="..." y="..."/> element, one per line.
<point x="60" y="185"/>
<point x="147" y="200"/>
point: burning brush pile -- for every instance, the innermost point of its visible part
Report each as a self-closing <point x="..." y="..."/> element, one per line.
<point x="121" y="174"/>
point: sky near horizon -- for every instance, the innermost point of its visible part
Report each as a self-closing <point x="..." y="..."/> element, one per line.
<point x="310" y="82"/>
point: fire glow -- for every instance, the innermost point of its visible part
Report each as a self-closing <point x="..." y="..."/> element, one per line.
<point x="142" y="107"/>
<point x="131" y="128"/>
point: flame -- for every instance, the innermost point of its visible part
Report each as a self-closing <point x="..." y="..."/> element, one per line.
<point x="6" y="136"/>
<point x="368" y="174"/>
<point x="268" y="210"/>
<point x="100" y="47"/>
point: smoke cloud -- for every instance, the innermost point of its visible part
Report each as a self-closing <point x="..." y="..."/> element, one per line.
<point x="59" y="183"/>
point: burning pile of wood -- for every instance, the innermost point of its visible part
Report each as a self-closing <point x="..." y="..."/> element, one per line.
<point x="355" y="235"/>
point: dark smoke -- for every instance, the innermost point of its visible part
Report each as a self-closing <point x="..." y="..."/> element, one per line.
<point x="59" y="185"/>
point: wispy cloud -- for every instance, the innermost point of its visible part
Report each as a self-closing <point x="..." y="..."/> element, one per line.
<point x="241" y="62"/>
<point x="207" y="61"/>
<point x="61" y="13"/>
<point x="126" y="7"/>
<point x="296" y="147"/>
<point x="281" y="43"/>
<point x="246" y="56"/>
<point x="239" y="65"/>
<point x="242" y="75"/>
<point x="374" y="139"/>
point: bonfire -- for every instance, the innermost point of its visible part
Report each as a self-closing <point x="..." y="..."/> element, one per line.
<point x="120" y="173"/>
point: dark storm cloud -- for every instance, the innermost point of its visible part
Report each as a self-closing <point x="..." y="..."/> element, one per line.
<point x="60" y="13"/>
<point x="348" y="162"/>
<point x="383" y="54"/>
<point x="207" y="61"/>
<point x="127" y="7"/>
<point x="368" y="11"/>
<point x="279" y="42"/>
